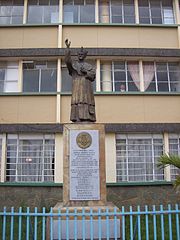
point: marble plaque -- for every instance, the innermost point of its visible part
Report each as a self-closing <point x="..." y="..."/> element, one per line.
<point x="84" y="165"/>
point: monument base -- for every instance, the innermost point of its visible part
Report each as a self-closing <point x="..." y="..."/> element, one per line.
<point x="85" y="222"/>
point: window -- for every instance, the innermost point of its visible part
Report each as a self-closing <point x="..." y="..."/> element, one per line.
<point x="174" y="149"/>
<point x="39" y="76"/>
<point x="67" y="79"/>
<point x="120" y="76"/>
<point x="79" y="11"/>
<point x="137" y="157"/>
<point x="8" y="76"/>
<point x="11" y="11"/>
<point x="161" y="76"/>
<point x="115" y="11"/>
<point x="30" y="158"/>
<point x="43" y="11"/>
<point x="156" y="12"/>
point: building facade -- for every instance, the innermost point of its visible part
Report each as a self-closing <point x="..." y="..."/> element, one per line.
<point x="135" y="48"/>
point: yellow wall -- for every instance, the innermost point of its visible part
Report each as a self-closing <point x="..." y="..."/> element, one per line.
<point x="123" y="37"/>
<point x="27" y="109"/>
<point x="29" y="37"/>
<point x="89" y="36"/>
<point x="131" y="109"/>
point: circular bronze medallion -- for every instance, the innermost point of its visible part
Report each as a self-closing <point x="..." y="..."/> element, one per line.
<point x="84" y="140"/>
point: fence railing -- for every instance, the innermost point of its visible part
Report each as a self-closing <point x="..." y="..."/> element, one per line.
<point x="148" y="222"/>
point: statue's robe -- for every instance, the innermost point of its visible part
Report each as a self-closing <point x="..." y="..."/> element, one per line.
<point x="82" y="101"/>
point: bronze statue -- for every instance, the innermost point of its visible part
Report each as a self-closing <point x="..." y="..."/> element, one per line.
<point x="83" y="74"/>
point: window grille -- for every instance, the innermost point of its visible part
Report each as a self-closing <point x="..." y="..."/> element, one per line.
<point x="11" y="11"/>
<point x="156" y="12"/>
<point x="39" y="76"/>
<point x="174" y="149"/>
<point x="79" y="11"/>
<point x="120" y="76"/>
<point x="137" y="157"/>
<point x="161" y="76"/>
<point x="9" y="76"/>
<point x="113" y="11"/>
<point x="30" y="158"/>
<point x="40" y="11"/>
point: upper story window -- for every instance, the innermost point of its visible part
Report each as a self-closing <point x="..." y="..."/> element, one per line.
<point x="43" y="11"/>
<point x="9" y="76"/>
<point x="40" y="76"/>
<point x="79" y="11"/>
<point x="161" y="76"/>
<point x="11" y="11"/>
<point x="174" y="149"/>
<point x="30" y="158"/>
<point x="117" y="11"/>
<point x="66" y="85"/>
<point x="156" y="11"/>
<point x="120" y="76"/>
<point x="137" y="156"/>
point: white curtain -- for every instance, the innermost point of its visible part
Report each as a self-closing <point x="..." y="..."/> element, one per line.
<point x="148" y="72"/>
<point x="49" y="161"/>
<point x="134" y="71"/>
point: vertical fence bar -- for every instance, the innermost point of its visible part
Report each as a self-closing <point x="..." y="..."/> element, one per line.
<point x="123" y="224"/>
<point x="83" y="224"/>
<point x="154" y="222"/>
<point x="91" y="224"/>
<point x="162" y="222"/>
<point x="177" y="222"/>
<point x="115" y="223"/>
<point x="67" y="223"/>
<point x="35" y="223"/>
<point x="170" y="222"/>
<point x="147" y="222"/>
<point x="12" y="224"/>
<point x="99" y="223"/>
<point x="139" y="222"/>
<point x="20" y="224"/>
<point x="44" y="224"/>
<point x="51" y="224"/>
<point x="107" y="223"/>
<point x="27" y="223"/>
<point x="131" y="222"/>
<point x="59" y="224"/>
<point x="75" y="223"/>
<point x="4" y="225"/>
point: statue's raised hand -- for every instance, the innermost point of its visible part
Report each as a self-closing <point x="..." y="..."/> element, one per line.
<point x="68" y="43"/>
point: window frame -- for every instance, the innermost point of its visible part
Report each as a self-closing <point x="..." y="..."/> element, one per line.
<point x="136" y="136"/>
<point x="18" y="138"/>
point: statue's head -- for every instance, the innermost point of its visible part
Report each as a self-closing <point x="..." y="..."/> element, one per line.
<point x="82" y="54"/>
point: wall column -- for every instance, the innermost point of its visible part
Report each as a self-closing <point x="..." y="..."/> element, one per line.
<point x="3" y="160"/>
<point x="58" y="178"/>
<point x="104" y="15"/>
<point x="98" y="75"/>
<point x="106" y="77"/>
<point x="25" y="11"/>
<point x="141" y="76"/>
<point x="110" y="148"/>
<point x="167" y="173"/>
<point x="136" y="11"/>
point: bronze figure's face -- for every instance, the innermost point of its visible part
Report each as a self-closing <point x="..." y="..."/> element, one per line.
<point x="81" y="56"/>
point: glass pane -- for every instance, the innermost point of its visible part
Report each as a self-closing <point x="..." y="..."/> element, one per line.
<point x="30" y="80"/>
<point x="35" y="14"/>
<point x="87" y="14"/>
<point x="49" y="80"/>
<point x="66" y="80"/>
<point x="5" y="20"/>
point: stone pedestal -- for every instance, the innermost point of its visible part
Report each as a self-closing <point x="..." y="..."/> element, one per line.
<point x="84" y="184"/>
<point x="84" y="180"/>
